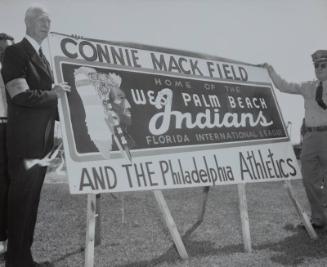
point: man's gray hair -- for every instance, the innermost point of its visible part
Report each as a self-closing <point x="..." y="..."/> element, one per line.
<point x="33" y="11"/>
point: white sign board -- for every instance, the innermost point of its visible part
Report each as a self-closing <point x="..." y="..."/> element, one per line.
<point x="142" y="118"/>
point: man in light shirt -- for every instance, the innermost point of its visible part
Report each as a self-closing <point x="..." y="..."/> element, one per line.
<point x="314" y="146"/>
<point x="32" y="111"/>
<point x="4" y="178"/>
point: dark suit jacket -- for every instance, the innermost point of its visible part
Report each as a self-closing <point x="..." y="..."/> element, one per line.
<point x="31" y="114"/>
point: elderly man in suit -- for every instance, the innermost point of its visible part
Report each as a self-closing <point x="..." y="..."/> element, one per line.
<point x="4" y="178"/>
<point x="32" y="110"/>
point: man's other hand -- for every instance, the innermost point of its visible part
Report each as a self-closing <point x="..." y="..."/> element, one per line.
<point x="61" y="88"/>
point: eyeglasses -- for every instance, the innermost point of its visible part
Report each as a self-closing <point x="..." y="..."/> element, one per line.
<point x="321" y="65"/>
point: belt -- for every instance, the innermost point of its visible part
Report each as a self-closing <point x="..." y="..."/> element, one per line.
<point x="316" y="129"/>
<point x="3" y="120"/>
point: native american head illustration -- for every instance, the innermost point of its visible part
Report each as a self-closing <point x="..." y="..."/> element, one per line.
<point x="105" y="106"/>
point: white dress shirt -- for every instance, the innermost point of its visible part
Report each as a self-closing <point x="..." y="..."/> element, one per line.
<point x="34" y="43"/>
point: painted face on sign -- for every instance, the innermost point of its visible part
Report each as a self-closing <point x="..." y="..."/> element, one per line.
<point x="121" y="106"/>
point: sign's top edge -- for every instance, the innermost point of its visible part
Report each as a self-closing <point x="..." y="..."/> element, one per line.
<point x="160" y="48"/>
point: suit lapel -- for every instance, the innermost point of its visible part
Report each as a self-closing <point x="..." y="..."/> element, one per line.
<point x="35" y="58"/>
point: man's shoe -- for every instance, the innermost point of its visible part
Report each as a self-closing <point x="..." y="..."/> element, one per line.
<point x="3" y="250"/>
<point x="317" y="226"/>
<point x="3" y="247"/>
<point x="314" y="226"/>
<point x="43" y="264"/>
<point x="3" y="256"/>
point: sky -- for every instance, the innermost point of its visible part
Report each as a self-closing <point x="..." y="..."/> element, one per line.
<point x="283" y="33"/>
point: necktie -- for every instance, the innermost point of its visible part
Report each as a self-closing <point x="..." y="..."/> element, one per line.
<point x="44" y="60"/>
<point x="319" y="100"/>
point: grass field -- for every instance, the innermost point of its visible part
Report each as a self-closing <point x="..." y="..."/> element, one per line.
<point x="143" y="239"/>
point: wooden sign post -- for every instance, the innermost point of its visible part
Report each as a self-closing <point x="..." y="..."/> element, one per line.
<point x="90" y="230"/>
<point x="97" y="239"/>
<point x="303" y="216"/>
<point x="244" y="218"/>
<point x="170" y="224"/>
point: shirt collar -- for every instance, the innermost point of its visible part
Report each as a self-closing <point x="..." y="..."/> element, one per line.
<point x="34" y="43"/>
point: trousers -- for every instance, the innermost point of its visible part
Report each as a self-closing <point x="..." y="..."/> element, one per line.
<point x="23" y="201"/>
<point x="4" y="183"/>
<point x="314" y="172"/>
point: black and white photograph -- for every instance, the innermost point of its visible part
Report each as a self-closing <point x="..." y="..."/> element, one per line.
<point x="163" y="133"/>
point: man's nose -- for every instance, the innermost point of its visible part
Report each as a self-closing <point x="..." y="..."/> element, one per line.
<point x="46" y="25"/>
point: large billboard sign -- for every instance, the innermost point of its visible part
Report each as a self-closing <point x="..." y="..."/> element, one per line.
<point x="140" y="118"/>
